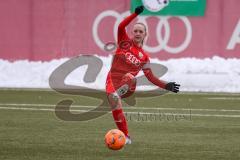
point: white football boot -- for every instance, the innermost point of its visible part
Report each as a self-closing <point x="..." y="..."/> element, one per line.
<point x="128" y="140"/>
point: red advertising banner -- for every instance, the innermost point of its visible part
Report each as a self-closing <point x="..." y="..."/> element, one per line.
<point x="50" y="29"/>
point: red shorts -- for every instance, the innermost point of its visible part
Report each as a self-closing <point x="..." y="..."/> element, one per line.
<point x="113" y="85"/>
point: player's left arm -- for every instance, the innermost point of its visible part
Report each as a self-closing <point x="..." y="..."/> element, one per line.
<point x="171" y="86"/>
<point x="122" y="35"/>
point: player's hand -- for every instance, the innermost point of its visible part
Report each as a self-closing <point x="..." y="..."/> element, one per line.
<point x="139" y="10"/>
<point x="172" y="86"/>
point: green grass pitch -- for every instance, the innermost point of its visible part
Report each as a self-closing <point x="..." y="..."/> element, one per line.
<point x="185" y="126"/>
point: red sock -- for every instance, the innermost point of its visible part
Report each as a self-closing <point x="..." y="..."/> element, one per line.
<point x="120" y="120"/>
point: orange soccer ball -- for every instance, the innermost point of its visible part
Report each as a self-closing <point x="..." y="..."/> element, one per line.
<point x="115" y="139"/>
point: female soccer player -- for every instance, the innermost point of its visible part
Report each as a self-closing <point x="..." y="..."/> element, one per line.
<point x="128" y="60"/>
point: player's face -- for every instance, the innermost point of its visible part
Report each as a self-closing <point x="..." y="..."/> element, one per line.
<point x="139" y="33"/>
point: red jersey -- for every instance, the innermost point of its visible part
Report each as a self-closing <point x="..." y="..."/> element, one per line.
<point x="129" y="58"/>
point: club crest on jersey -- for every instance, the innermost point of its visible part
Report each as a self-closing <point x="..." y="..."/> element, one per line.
<point x="140" y="55"/>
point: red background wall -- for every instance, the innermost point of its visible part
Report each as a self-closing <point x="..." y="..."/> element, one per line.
<point x="50" y="29"/>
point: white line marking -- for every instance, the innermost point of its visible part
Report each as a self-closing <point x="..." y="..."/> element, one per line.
<point x="142" y="113"/>
<point x="224" y="98"/>
<point x="27" y="109"/>
<point x="134" y="108"/>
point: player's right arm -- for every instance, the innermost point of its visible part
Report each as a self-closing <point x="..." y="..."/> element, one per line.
<point x="122" y="34"/>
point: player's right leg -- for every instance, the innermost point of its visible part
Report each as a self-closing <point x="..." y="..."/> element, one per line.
<point x="118" y="115"/>
<point x="127" y="87"/>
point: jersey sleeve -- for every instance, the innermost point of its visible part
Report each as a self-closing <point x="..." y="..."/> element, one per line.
<point x="150" y="76"/>
<point x="122" y="34"/>
<point x="146" y="65"/>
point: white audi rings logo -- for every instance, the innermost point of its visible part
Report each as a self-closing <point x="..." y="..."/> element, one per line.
<point x="163" y="22"/>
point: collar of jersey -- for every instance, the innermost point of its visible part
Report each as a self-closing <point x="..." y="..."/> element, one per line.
<point x="136" y="45"/>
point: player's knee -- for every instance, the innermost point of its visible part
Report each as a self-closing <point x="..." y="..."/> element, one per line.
<point x="114" y="100"/>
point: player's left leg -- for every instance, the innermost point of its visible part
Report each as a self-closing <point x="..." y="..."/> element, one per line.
<point x="128" y="86"/>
